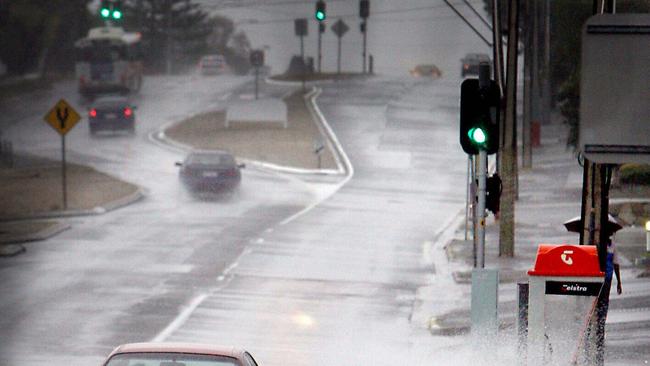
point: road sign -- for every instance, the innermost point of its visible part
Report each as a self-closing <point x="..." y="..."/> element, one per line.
<point x="62" y="117"/>
<point x="340" y="28"/>
<point x="300" y="27"/>
<point x="614" y="106"/>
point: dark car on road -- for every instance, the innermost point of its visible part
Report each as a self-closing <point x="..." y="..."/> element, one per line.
<point x="210" y="171"/>
<point x="178" y="354"/>
<point x="113" y="113"/>
<point x="471" y="61"/>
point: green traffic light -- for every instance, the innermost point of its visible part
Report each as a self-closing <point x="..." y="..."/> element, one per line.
<point x="105" y="12"/>
<point x="117" y="14"/>
<point x="477" y="135"/>
<point x="320" y="16"/>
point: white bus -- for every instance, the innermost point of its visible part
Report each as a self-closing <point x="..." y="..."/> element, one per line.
<point x="108" y="60"/>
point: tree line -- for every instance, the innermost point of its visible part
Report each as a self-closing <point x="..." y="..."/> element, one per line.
<point x="39" y="35"/>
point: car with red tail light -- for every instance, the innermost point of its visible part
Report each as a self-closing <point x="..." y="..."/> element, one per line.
<point x="111" y="113"/>
<point x="210" y="171"/>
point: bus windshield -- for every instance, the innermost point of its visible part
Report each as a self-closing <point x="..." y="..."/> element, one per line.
<point x="101" y="52"/>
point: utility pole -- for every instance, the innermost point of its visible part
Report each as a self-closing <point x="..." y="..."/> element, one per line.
<point x="526" y="146"/>
<point x="168" y="53"/>
<point x="509" y="152"/>
<point x="594" y="216"/>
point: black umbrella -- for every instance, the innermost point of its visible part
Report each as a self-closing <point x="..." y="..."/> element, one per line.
<point x="575" y="224"/>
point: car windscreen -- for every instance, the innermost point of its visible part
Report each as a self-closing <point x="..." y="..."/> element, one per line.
<point x="111" y="103"/>
<point x="170" y="359"/>
<point x="211" y="159"/>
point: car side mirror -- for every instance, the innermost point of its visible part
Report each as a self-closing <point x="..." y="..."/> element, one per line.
<point x="178" y="163"/>
<point x="241" y="166"/>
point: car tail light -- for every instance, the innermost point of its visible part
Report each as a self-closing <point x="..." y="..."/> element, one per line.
<point x="231" y="172"/>
<point x="466" y="66"/>
<point x="82" y="80"/>
<point x="92" y="113"/>
<point x="128" y="112"/>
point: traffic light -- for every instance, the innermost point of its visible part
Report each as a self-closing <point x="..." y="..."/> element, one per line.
<point x="479" y="117"/>
<point x="320" y="13"/>
<point x="493" y="189"/>
<point x="364" y="8"/>
<point x="111" y="10"/>
<point x="117" y="10"/>
<point x="105" y="9"/>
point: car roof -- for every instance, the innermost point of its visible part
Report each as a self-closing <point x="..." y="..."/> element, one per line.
<point x="477" y="55"/>
<point x="177" y="347"/>
<point x="209" y="152"/>
<point x="215" y="56"/>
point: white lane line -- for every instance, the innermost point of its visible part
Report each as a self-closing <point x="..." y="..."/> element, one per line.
<point x="180" y="319"/>
<point x="225" y="96"/>
<point x="347" y="165"/>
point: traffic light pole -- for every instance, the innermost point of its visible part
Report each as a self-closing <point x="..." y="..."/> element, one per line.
<point x="257" y="78"/>
<point x="480" y="208"/>
<point x="365" y="32"/>
<point x="320" y="42"/>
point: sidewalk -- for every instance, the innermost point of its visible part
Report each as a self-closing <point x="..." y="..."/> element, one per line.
<point x="549" y="194"/>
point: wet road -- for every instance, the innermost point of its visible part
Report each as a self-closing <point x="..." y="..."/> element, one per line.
<point x="122" y="276"/>
<point x="341" y="281"/>
<point x="310" y="288"/>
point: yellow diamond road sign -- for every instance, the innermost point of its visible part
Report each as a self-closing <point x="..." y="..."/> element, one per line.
<point x="62" y="117"/>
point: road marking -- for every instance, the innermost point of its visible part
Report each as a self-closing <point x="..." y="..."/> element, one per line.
<point x="225" y="96"/>
<point x="180" y="319"/>
<point x="341" y="153"/>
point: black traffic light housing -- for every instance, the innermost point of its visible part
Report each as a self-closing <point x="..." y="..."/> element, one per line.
<point x="320" y="14"/>
<point x="479" y="111"/>
<point x="257" y="58"/>
<point x="364" y="8"/>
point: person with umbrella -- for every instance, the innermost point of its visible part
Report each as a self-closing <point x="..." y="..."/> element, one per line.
<point x="611" y="268"/>
<point x="611" y="263"/>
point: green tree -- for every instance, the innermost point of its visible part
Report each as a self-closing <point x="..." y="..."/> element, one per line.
<point x="181" y="25"/>
<point x="39" y="35"/>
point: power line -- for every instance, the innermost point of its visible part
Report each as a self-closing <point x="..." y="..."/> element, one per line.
<point x="468" y="23"/>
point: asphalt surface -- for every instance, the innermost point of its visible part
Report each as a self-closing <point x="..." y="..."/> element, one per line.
<point x="122" y="276"/>
<point x="257" y="269"/>
<point x="341" y="280"/>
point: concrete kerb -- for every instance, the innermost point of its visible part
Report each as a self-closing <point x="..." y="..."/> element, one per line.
<point x="344" y="166"/>
<point x="98" y="210"/>
<point x="43" y="234"/>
